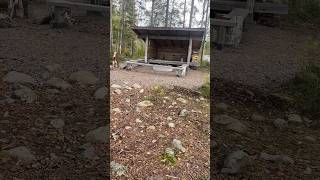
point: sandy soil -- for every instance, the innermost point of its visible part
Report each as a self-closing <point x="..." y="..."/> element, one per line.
<point x="147" y="78"/>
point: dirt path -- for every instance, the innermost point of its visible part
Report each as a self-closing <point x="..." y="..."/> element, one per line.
<point x="145" y="77"/>
<point x="266" y="58"/>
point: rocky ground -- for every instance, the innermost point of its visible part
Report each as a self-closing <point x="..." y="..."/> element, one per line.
<point x="148" y="123"/>
<point x="52" y="102"/>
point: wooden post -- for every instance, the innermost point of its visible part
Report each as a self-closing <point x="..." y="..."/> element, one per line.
<point x="146" y="49"/>
<point x="189" y="51"/>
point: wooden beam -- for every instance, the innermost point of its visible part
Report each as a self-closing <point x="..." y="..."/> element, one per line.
<point x="146" y="49"/>
<point x="189" y="50"/>
<point x="169" y="38"/>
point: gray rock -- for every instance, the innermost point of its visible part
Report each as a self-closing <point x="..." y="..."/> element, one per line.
<point x="136" y="86"/>
<point x="84" y="77"/>
<point x="182" y="100"/>
<point x="101" y="93"/>
<point x="58" y="83"/>
<point x="276" y="158"/>
<point x="17" y="77"/>
<point x="310" y="139"/>
<point x="26" y="94"/>
<point x="118" y="169"/>
<point x="295" y="118"/>
<point x="171" y="125"/>
<point x="116" y="86"/>
<point x="280" y="123"/>
<point x="98" y="135"/>
<point x="234" y="162"/>
<point x="257" y="117"/>
<point x="53" y="67"/>
<point x="238" y="127"/>
<point x="21" y="153"/>
<point x="222" y="107"/>
<point x="178" y="145"/>
<point x="57" y="123"/>
<point x="117" y="91"/>
<point x="145" y="103"/>
<point x="183" y="113"/>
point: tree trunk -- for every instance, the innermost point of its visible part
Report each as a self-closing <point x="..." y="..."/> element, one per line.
<point x="167" y="13"/>
<point x="184" y="13"/>
<point x="152" y="10"/>
<point x="205" y="33"/>
<point x="203" y="12"/>
<point x="191" y="14"/>
<point x="171" y="13"/>
<point x="122" y="27"/>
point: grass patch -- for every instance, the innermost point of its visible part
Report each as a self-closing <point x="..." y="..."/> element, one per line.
<point x="205" y="65"/>
<point x="168" y="159"/>
<point x="158" y="90"/>
<point x="205" y="88"/>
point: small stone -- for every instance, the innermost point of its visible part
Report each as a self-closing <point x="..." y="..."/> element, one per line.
<point x="183" y="113"/>
<point x="141" y="91"/>
<point x="234" y="162"/>
<point x="118" y="169"/>
<point x="178" y="145"/>
<point x="101" y="93"/>
<point x="117" y="110"/>
<point x="136" y="86"/>
<point x="138" y="121"/>
<point x="84" y="77"/>
<point x="280" y="123"/>
<point x="57" y="123"/>
<point x="116" y="86"/>
<point x="202" y="99"/>
<point x="153" y="141"/>
<point x="169" y="118"/>
<point x="171" y="125"/>
<point x="145" y="103"/>
<point x="17" y="77"/>
<point x="310" y="139"/>
<point x="53" y="67"/>
<point x="117" y="91"/>
<point x="294" y="118"/>
<point x="174" y="103"/>
<point x="25" y="94"/>
<point x="127" y="100"/>
<point x="98" y="135"/>
<point x="128" y="127"/>
<point x="151" y="127"/>
<point x="257" y="117"/>
<point x="22" y="153"/>
<point x="58" y="83"/>
<point x="182" y="100"/>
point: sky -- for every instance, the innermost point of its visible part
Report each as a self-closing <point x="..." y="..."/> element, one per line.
<point x="198" y="15"/>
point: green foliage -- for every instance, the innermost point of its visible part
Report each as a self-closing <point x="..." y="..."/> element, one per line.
<point x="168" y="159"/>
<point x="205" y="88"/>
<point x="158" y="90"/>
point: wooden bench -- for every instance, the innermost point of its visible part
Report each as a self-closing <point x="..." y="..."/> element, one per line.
<point x="59" y="7"/>
<point x="229" y="28"/>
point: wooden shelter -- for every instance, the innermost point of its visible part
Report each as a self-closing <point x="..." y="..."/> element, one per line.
<point x="169" y="49"/>
<point x="228" y="26"/>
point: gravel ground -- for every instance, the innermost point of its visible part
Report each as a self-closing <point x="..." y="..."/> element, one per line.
<point x="266" y="58"/>
<point x="146" y="77"/>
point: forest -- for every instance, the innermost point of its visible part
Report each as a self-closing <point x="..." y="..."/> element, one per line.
<point x="152" y="13"/>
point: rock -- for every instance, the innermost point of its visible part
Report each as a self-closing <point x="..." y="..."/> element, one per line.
<point x="84" y="77"/>
<point x="276" y="158"/>
<point x="117" y="110"/>
<point x="151" y="127"/>
<point x="280" y="123"/>
<point x="145" y="103"/>
<point x="17" y="77"/>
<point x="116" y="86"/>
<point x="169" y="118"/>
<point x="295" y="118"/>
<point x="234" y="162"/>
<point x="136" y="86"/>
<point x="128" y="127"/>
<point x="178" y="145"/>
<point x="98" y="135"/>
<point x="182" y="100"/>
<point x="128" y="100"/>
<point x="89" y="152"/>
<point x="59" y="83"/>
<point x="117" y="91"/>
<point x="141" y="91"/>
<point x="21" y="153"/>
<point x="53" y="67"/>
<point x="172" y="125"/>
<point x="57" y="123"/>
<point x="138" y="121"/>
<point x="101" y="93"/>
<point x="310" y="139"/>
<point x="224" y="119"/>
<point x="238" y="127"/>
<point x="183" y="113"/>
<point x="118" y="169"/>
<point x="257" y="117"/>
<point x="222" y="107"/>
<point x="25" y="94"/>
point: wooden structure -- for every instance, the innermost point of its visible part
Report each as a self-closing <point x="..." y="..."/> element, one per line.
<point x="168" y="49"/>
<point x="73" y="7"/>
<point x="228" y="26"/>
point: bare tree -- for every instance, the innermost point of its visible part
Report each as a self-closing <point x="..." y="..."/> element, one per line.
<point x="152" y="10"/>
<point x="167" y="13"/>
<point x="191" y="14"/>
<point x="172" y="11"/>
<point x="184" y="13"/>
<point x="121" y="42"/>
